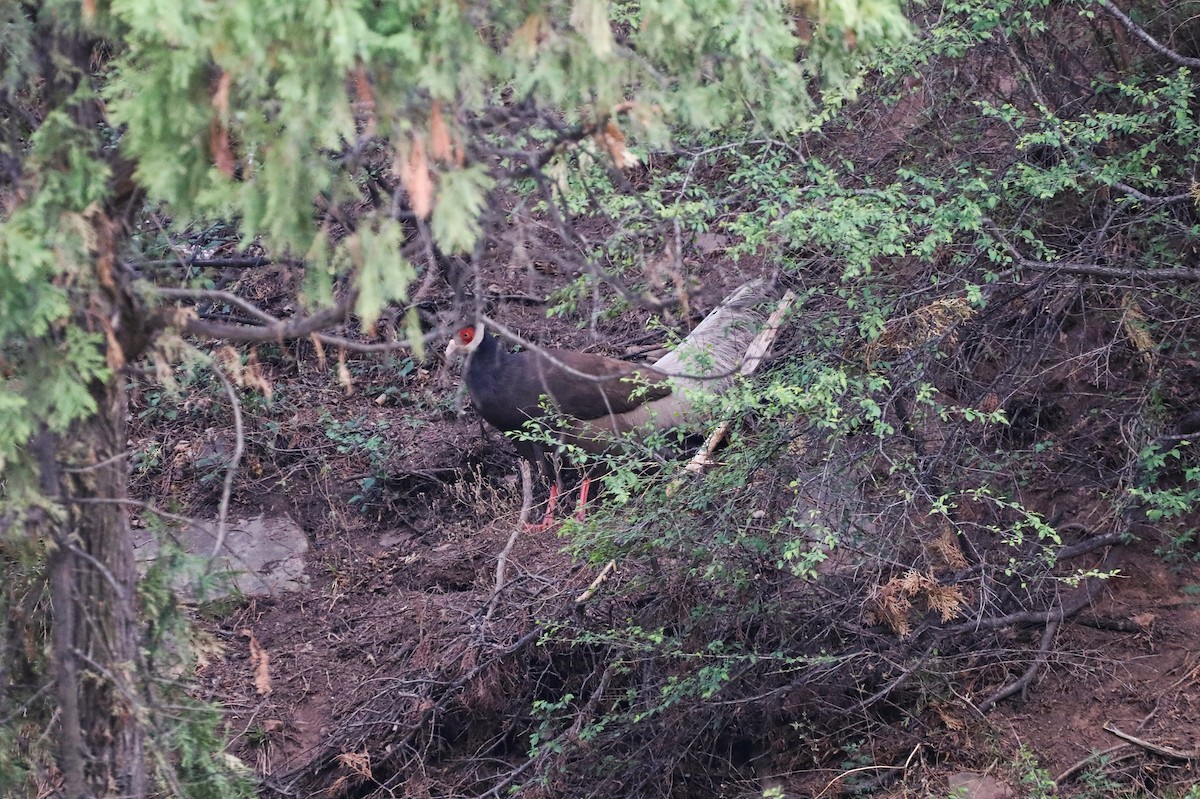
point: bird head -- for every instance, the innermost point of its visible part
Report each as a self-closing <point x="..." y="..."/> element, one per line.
<point x="465" y="340"/>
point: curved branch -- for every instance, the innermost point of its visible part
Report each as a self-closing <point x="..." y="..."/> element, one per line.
<point x="1026" y="679"/>
<point x="274" y="329"/>
<point x="227" y="297"/>
<point x="1146" y="38"/>
<point x="231" y="468"/>
<point x="1095" y="270"/>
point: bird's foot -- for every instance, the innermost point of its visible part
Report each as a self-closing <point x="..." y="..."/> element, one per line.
<point x="548" y="520"/>
<point x="581" y="508"/>
<point x="545" y="524"/>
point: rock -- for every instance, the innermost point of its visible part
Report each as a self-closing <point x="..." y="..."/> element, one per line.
<point x="973" y="785"/>
<point x="264" y="556"/>
<point x="708" y="243"/>
<point x="395" y="540"/>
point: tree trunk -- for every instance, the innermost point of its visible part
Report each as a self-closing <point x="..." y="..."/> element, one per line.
<point x="93" y="579"/>
<point x="95" y="638"/>
<point x="91" y="573"/>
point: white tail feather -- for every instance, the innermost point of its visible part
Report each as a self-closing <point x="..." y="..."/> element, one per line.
<point x="711" y="355"/>
<point x="707" y="360"/>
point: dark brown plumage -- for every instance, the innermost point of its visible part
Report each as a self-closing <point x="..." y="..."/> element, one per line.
<point x="508" y="388"/>
<point x="598" y="398"/>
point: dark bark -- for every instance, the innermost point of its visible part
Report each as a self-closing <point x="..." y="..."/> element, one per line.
<point x="94" y="634"/>
<point x="91" y="569"/>
<point x="60" y="569"/>
<point x="103" y="620"/>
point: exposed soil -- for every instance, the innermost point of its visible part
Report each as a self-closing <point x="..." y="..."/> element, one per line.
<point x="1129" y="662"/>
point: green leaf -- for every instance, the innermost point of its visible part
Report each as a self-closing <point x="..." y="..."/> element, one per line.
<point x="383" y="274"/>
<point x="461" y="197"/>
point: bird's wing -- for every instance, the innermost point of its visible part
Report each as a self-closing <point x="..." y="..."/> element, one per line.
<point x="612" y="386"/>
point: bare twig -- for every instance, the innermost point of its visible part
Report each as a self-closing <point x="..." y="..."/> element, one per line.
<point x="98" y="465"/>
<point x="502" y="560"/>
<point x="387" y="346"/>
<point x="1074" y="768"/>
<point x="907" y="762"/>
<point x="591" y="590"/>
<point x="231" y="470"/>
<point x="215" y="295"/>
<point x="1146" y="719"/>
<point x="118" y="589"/>
<point x="137" y="503"/>
<point x="274" y="329"/>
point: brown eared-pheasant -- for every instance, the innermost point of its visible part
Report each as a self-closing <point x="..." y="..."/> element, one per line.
<point x="596" y="399"/>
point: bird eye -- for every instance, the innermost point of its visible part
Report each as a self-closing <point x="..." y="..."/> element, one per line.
<point x="466" y="334"/>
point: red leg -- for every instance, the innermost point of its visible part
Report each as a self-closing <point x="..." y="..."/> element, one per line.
<point x="547" y="520"/>
<point x="581" y="508"/>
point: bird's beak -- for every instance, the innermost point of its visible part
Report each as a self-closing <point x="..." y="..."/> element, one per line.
<point x="453" y="350"/>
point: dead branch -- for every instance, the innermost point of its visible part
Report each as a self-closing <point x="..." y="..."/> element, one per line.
<point x="136" y="503"/>
<point x="1158" y="749"/>
<point x="1108" y="625"/>
<point x="1024" y="681"/>
<point x="216" y="295"/>
<point x="1074" y="768"/>
<point x="1075" y="550"/>
<point x="1096" y="270"/>
<point x="1064" y="610"/>
<point x="591" y="590"/>
<point x="274" y="329"/>
<point x="1146" y="38"/>
<point x="907" y="762"/>
<point x="1052" y="619"/>
<point x="231" y="470"/>
<point x="390" y="346"/>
